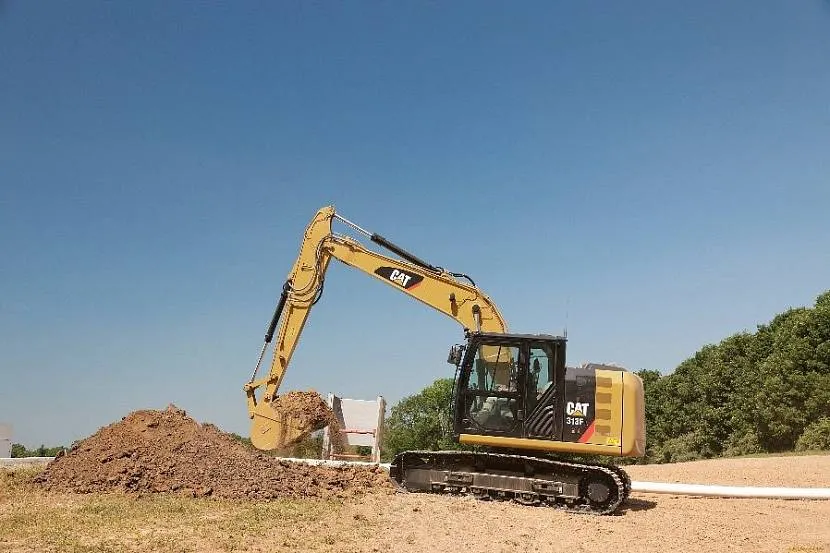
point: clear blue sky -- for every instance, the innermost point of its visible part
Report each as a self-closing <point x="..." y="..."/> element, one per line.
<point x="658" y="171"/>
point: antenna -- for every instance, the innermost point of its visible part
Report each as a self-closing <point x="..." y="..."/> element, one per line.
<point x="567" y="300"/>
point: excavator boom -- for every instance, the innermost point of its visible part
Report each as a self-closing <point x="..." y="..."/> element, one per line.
<point x="431" y="285"/>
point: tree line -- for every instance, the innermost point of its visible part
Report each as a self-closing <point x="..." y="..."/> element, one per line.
<point x="19" y="450"/>
<point x="766" y="391"/>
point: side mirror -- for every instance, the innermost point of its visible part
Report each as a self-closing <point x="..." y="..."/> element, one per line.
<point x="456" y="353"/>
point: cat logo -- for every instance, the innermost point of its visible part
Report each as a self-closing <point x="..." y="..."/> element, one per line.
<point x="400" y="277"/>
<point x="576" y="409"/>
<point x="403" y="279"/>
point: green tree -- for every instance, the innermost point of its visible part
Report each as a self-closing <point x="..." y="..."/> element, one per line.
<point x="19" y="450"/>
<point x="421" y="421"/>
<point x="751" y="392"/>
<point x="815" y="437"/>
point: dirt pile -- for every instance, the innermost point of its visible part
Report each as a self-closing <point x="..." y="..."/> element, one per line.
<point x="306" y="411"/>
<point x="151" y="451"/>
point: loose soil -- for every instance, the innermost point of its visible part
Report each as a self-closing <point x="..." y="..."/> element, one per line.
<point x="306" y="410"/>
<point x="307" y="407"/>
<point x="151" y="451"/>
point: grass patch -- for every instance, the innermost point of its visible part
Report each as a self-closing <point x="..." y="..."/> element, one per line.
<point x="781" y="454"/>
<point x="34" y="520"/>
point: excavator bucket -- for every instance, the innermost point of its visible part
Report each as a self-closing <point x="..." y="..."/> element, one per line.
<point x="288" y="419"/>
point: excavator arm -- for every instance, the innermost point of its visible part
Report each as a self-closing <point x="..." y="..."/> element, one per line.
<point x="431" y="285"/>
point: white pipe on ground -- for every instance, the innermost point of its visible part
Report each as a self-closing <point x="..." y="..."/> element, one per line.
<point x="334" y="462"/>
<point x="731" y="491"/>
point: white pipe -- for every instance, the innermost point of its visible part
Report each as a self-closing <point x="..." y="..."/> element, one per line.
<point x="334" y="462"/>
<point x="731" y="491"/>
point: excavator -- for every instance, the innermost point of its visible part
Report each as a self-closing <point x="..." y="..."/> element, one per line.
<point x="525" y="421"/>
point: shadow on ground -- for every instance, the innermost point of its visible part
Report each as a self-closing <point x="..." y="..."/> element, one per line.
<point x="635" y="505"/>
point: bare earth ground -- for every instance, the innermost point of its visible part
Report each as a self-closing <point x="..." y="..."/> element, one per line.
<point x="35" y="519"/>
<point x="161" y="481"/>
<point x="650" y="522"/>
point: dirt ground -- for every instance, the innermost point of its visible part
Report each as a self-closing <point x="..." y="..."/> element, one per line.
<point x="648" y="522"/>
<point x="34" y="519"/>
<point x="160" y="481"/>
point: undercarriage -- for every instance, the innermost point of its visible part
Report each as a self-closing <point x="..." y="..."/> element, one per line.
<point x="569" y="486"/>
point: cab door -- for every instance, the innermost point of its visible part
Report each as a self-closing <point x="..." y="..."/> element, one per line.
<point x="492" y="392"/>
<point x="544" y="387"/>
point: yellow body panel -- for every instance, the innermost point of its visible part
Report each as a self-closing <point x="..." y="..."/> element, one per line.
<point x="633" y="416"/>
<point x="618" y="429"/>
<point x="539" y="445"/>
<point x="619" y="418"/>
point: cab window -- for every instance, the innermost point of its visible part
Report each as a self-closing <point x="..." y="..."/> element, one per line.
<point x="540" y="375"/>
<point x="493" y="387"/>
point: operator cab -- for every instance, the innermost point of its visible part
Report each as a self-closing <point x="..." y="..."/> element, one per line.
<point x="510" y="385"/>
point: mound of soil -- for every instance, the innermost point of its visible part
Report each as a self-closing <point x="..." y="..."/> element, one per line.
<point x="151" y="451"/>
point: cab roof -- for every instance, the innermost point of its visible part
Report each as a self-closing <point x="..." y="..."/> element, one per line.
<point x="515" y="336"/>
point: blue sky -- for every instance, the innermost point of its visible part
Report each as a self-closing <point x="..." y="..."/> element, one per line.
<point x="653" y="175"/>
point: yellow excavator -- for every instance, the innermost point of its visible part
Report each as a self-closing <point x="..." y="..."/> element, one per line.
<point x="529" y="421"/>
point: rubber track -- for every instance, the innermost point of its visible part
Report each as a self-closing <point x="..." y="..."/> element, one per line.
<point x="613" y="472"/>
